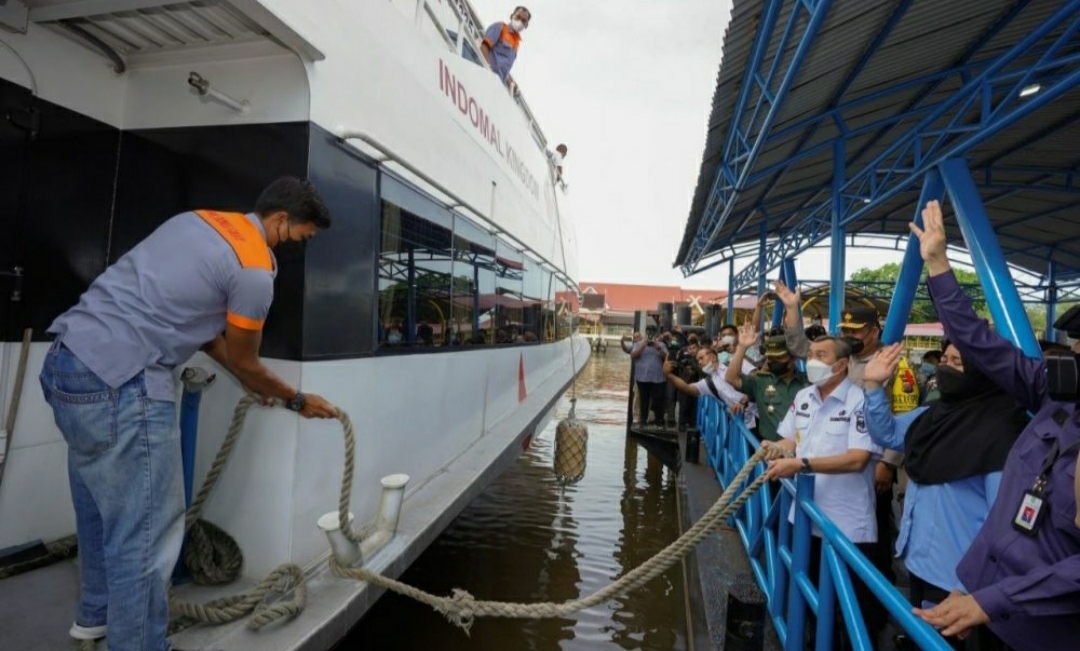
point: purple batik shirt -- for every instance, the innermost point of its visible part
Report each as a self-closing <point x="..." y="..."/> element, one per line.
<point x="1028" y="585"/>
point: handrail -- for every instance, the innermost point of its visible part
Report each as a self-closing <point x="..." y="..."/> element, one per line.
<point x="345" y="134"/>
<point x="779" y="551"/>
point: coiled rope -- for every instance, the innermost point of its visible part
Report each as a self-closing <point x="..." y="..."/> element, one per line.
<point x="283" y="593"/>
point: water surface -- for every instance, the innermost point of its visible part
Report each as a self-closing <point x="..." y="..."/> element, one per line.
<point x="528" y="539"/>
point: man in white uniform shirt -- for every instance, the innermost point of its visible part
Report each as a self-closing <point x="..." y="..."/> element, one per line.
<point x="714" y="386"/>
<point x="825" y="433"/>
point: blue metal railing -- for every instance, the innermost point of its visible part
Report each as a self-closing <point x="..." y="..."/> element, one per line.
<point x="779" y="551"/>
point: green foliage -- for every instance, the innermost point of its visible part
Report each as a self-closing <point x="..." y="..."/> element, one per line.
<point x="882" y="281"/>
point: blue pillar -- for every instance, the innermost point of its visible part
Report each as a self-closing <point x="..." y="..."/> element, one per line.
<point x="911" y="268"/>
<point x="730" y="316"/>
<point x="836" y="268"/>
<point x="1010" y="319"/>
<point x="1051" y="300"/>
<point x="787" y="275"/>
<point x="762" y="280"/>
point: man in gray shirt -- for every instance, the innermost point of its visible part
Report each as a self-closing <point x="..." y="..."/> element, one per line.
<point x="109" y="380"/>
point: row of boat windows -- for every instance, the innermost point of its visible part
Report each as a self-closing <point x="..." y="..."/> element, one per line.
<point x="448" y="282"/>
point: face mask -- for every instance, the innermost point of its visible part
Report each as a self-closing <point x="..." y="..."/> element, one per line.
<point x="778" y="368"/>
<point x="818" y="372"/>
<point x="857" y="344"/>
<point x="709" y="368"/>
<point x="724" y="357"/>
<point x="727" y="340"/>
<point x="517" y="25"/>
<point x="753" y="354"/>
<point x="285" y="244"/>
<point x="927" y="368"/>
<point x="960" y="385"/>
<point x="394" y="337"/>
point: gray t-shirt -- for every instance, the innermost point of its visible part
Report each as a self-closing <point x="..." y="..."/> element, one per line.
<point x="649" y="367"/>
<point x="170" y="295"/>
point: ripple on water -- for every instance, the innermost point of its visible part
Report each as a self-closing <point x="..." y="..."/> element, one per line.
<point x="526" y="538"/>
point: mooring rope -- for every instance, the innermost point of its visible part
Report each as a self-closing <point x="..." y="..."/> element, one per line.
<point x="462" y="608"/>
<point x="573" y="358"/>
<point x="283" y="593"/>
<point x="214" y="558"/>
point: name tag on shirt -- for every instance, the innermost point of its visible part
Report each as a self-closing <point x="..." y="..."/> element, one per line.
<point x="1030" y="513"/>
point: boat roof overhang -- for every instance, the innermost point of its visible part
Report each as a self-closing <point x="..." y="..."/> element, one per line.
<point x="167" y="31"/>
<point x="824" y="107"/>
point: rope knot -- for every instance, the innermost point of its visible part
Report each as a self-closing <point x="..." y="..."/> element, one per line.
<point x="459" y="609"/>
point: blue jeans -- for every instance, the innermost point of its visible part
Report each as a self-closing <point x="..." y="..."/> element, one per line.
<point x="127" y="487"/>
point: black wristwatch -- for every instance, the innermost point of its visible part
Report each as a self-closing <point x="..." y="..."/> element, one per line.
<point x="806" y="466"/>
<point x="296" y="403"/>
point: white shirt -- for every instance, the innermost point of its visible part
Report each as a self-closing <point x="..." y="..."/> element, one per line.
<point x="829" y="428"/>
<point x="729" y="395"/>
<point x="556" y="160"/>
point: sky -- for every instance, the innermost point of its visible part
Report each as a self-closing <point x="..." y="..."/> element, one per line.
<point x="628" y="85"/>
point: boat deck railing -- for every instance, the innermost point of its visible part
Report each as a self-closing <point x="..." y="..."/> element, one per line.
<point x="779" y="551"/>
<point x="463" y="39"/>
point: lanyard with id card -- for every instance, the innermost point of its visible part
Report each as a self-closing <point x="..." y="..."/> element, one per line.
<point x="1033" y="505"/>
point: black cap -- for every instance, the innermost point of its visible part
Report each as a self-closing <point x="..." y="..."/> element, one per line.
<point x="1070" y="322"/>
<point x="859" y="316"/>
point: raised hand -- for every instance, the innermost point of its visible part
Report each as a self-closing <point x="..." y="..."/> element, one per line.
<point x="748" y="335"/>
<point x="789" y="298"/>
<point x="882" y="366"/>
<point x="932" y="238"/>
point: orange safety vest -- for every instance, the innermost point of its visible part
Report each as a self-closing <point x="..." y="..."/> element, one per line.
<point x="249" y="245"/>
<point x="510" y="37"/>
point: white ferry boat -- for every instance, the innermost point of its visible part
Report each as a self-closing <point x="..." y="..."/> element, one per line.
<point x="437" y="310"/>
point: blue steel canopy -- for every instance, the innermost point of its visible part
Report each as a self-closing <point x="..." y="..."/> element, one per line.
<point x="838" y="108"/>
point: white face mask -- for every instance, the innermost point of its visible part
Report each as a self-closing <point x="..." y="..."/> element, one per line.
<point x="709" y="368"/>
<point x="724" y="357"/>
<point x="517" y="25"/>
<point x="727" y="340"/>
<point x="818" y="372"/>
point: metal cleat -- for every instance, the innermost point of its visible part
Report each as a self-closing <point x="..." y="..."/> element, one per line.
<point x="196" y="378"/>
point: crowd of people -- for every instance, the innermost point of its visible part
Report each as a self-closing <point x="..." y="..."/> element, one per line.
<point x="980" y="450"/>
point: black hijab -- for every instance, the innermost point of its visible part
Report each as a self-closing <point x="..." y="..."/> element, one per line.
<point x="968" y="432"/>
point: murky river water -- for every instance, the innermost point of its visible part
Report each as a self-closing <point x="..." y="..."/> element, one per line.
<point x="528" y="539"/>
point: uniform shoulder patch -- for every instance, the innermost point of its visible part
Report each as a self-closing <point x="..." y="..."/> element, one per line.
<point x="860" y="421"/>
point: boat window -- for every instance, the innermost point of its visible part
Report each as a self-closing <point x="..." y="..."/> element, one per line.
<point x="507" y="306"/>
<point x="474" y="283"/>
<point x="415" y="266"/>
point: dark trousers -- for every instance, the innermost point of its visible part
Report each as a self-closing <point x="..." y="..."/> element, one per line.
<point x="981" y="639"/>
<point x="651" y="396"/>
<point x="687" y="411"/>
<point x="881" y="554"/>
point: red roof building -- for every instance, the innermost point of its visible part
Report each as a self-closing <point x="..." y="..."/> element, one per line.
<point x="623" y="300"/>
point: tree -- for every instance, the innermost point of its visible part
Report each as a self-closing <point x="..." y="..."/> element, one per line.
<point x="881" y="282"/>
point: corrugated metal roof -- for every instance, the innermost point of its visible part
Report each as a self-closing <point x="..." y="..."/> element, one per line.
<point x="928" y="38"/>
<point x="139" y="27"/>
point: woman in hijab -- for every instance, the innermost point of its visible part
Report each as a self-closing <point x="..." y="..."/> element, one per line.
<point x="955" y="449"/>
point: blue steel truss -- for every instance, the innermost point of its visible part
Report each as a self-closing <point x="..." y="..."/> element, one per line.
<point x="745" y="141"/>
<point x="988" y="102"/>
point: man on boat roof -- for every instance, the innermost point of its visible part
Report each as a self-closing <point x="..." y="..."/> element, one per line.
<point x="501" y="41"/>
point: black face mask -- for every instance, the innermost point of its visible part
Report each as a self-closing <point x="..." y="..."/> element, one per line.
<point x="779" y="368"/>
<point x="856" y="344"/>
<point x="960" y="385"/>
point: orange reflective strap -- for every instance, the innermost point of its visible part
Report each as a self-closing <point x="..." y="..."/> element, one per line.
<point x="243" y="236"/>
<point x="510" y="37"/>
